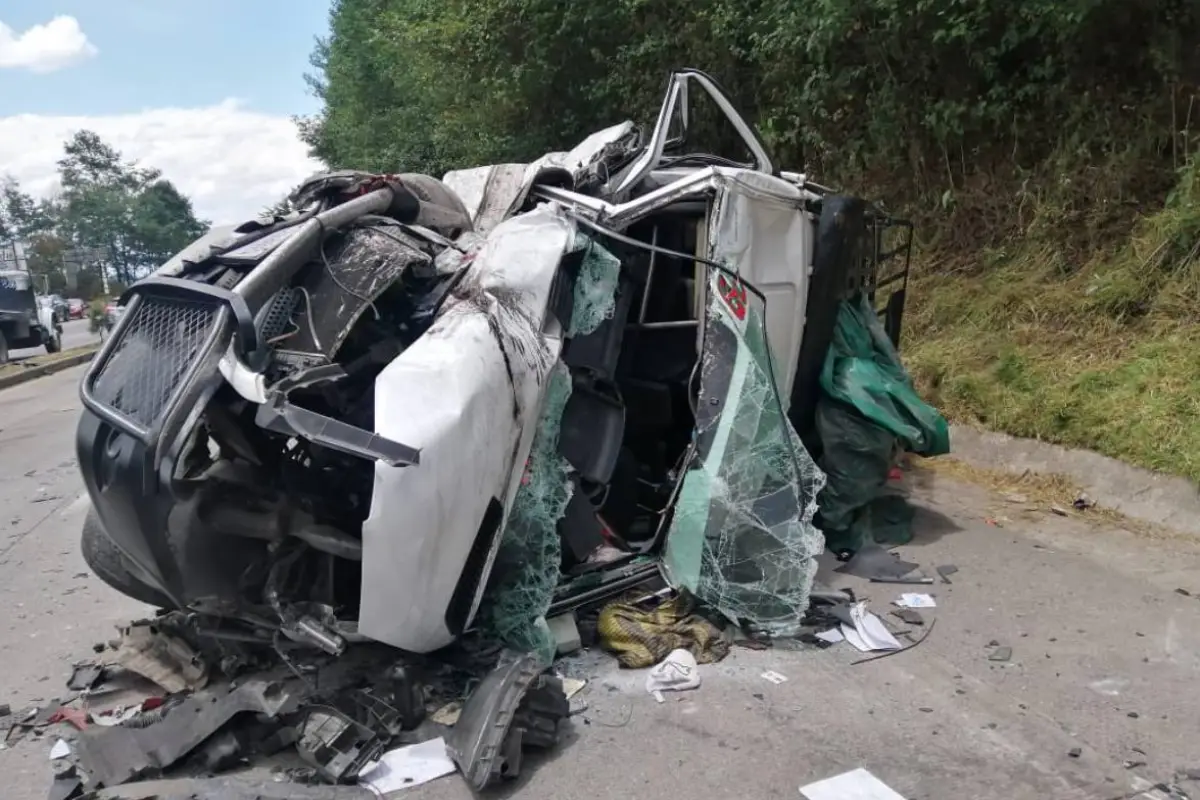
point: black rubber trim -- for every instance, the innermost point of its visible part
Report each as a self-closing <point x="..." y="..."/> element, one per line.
<point x="459" y="607"/>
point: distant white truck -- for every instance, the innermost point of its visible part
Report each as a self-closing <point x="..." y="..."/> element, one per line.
<point x="24" y="322"/>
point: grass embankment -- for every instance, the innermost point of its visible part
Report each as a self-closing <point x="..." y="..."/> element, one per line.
<point x="1102" y="354"/>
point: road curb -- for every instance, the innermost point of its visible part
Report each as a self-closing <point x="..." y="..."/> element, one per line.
<point x="41" y="370"/>
<point x="1153" y="497"/>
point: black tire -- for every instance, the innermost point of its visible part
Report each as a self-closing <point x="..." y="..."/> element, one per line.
<point x="110" y="565"/>
<point x="3" y="348"/>
<point x="53" y="342"/>
<point x="430" y="190"/>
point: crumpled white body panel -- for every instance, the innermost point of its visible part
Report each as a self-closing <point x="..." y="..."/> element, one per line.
<point x="468" y="395"/>
<point x="760" y="232"/>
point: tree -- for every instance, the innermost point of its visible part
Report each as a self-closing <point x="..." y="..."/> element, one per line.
<point x="44" y="255"/>
<point x="20" y="215"/>
<point x="135" y="214"/>
<point x="163" y="223"/>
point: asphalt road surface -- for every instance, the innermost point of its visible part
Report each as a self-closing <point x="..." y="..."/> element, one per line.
<point x="1105" y="658"/>
<point x="75" y="334"/>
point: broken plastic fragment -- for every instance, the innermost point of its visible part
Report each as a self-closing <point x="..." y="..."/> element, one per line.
<point x="60" y="750"/>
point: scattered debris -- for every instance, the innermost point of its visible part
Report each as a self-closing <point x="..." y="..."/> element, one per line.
<point x="60" y="750"/>
<point x="1075" y="752"/>
<point x="873" y="562"/>
<point x="868" y="632"/>
<point x="1000" y="654"/>
<point x="924" y="636"/>
<point x="914" y="600"/>
<point x="832" y="636"/>
<point x="448" y="714"/>
<point x="859" y="784"/>
<point x="1109" y="687"/>
<point x="74" y="716"/>
<point x="1183" y="592"/>
<point x="1062" y="512"/>
<point x="1083" y="502"/>
<point x="565" y="633"/>
<point x="117" y="716"/>
<point x="678" y="672"/>
<point x="168" y="661"/>
<point x="909" y="616"/>
<point x="1132" y="715"/>
<point x="336" y="746"/>
<point x="408" y="766"/>
<point x="84" y="676"/>
<point x="572" y="686"/>
<point x="774" y="677"/>
<point x="5" y="709"/>
<point x="915" y="579"/>
<point x="1134" y="764"/>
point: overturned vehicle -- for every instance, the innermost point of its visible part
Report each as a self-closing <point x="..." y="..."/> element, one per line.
<point x="415" y="408"/>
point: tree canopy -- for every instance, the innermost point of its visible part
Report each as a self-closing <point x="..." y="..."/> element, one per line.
<point x="110" y="215"/>
<point x="943" y="106"/>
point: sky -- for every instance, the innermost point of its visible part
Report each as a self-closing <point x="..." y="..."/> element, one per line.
<point x="204" y="90"/>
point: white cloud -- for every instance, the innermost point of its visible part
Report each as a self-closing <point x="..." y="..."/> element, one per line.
<point x="230" y="161"/>
<point x="45" y="48"/>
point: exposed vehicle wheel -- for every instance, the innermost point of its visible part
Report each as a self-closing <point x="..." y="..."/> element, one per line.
<point x="112" y="566"/>
<point x="3" y="349"/>
<point x="431" y="190"/>
<point x="54" y="341"/>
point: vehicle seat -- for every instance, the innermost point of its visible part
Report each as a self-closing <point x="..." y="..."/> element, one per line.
<point x="600" y="351"/>
<point x="593" y="425"/>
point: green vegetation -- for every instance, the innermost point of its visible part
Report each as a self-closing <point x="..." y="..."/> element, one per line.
<point x="1045" y="149"/>
<point x="112" y="220"/>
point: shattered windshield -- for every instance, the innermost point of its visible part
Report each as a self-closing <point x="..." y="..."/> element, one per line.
<point x="742" y="537"/>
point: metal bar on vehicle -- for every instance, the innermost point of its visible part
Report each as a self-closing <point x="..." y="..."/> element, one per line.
<point x="274" y="271"/>
<point x="678" y="323"/>
<point x="649" y="277"/>
<point x="96" y="366"/>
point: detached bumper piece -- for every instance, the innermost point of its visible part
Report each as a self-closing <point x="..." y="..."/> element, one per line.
<point x="514" y="707"/>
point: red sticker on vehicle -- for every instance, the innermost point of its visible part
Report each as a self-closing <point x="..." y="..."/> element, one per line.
<point x="734" y="296"/>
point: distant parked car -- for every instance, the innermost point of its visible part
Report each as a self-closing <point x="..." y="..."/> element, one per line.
<point x="112" y="314"/>
<point x="76" y="308"/>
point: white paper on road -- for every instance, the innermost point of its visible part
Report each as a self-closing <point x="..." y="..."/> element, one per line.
<point x="60" y="750"/>
<point x="916" y="600"/>
<point x="833" y="636"/>
<point x="868" y="632"/>
<point x="408" y="766"/>
<point x="858" y="784"/>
